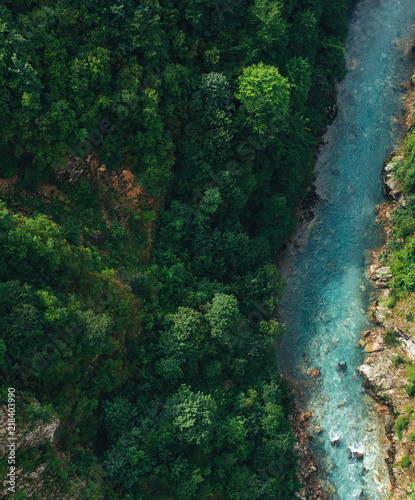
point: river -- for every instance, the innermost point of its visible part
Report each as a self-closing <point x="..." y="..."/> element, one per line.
<point x="325" y="305"/>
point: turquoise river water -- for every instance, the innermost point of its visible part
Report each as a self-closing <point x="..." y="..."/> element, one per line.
<point x="325" y="306"/>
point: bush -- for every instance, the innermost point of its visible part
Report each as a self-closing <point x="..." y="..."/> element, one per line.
<point x="410" y="390"/>
<point x="4" y="468"/>
<point x="401" y="423"/>
<point x="390" y="338"/>
<point x="410" y="372"/>
<point x="28" y="459"/>
<point x="19" y="495"/>
<point x="57" y="467"/>
<point x="399" y="360"/>
<point x="405" y="462"/>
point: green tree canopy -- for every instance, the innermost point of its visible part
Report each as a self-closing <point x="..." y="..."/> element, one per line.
<point x="265" y="95"/>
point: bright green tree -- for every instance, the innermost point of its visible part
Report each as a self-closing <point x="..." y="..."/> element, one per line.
<point x="194" y="415"/>
<point x="223" y="316"/>
<point x="265" y="95"/>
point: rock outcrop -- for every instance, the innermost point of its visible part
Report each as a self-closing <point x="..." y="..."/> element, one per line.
<point x="31" y="436"/>
<point x="392" y="187"/>
<point x="35" y="483"/>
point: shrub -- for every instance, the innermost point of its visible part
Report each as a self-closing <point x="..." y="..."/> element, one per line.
<point x="390" y="338"/>
<point x="410" y="373"/>
<point x="405" y="462"/>
<point x="28" y="459"/>
<point x="410" y="390"/>
<point x="4" y="468"/>
<point x="399" y="360"/>
<point x="20" y="495"/>
<point x="57" y="467"/>
<point x="401" y="424"/>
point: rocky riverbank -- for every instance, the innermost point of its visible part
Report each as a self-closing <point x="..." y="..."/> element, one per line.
<point x="308" y="465"/>
<point x="391" y="346"/>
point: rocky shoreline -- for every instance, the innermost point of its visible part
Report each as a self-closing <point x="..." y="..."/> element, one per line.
<point x="308" y="468"/>
<point x="389" y="344"/>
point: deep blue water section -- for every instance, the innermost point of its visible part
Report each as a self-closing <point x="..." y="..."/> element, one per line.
<point x="327" y="295"/>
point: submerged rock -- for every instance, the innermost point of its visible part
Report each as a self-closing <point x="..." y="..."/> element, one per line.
<point x="355" y="455"/>
<point x="315" y="373"/>
<point x="335" y="442"/>
<point x="341" y="367"/>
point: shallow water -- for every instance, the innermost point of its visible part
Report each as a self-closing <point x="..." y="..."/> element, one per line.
<point x="328" y="293"/>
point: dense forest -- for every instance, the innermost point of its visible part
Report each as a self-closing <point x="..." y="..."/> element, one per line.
<point x="145" y="318"/>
